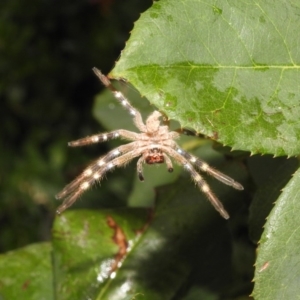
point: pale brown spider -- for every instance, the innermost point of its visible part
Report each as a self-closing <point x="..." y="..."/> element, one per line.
<point x="154" y="145"/>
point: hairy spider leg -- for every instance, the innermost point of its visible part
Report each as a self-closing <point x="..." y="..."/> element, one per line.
<point x="168" y="163"/>
<point x="103" y="137"/>
<point x="139" y="168"/>
<point x="92" y="170"/>
<point x="137" y="117"/>
<point x="203" y="166"/>
<point x="201" y="183"/>
<point x="85" y="182"/>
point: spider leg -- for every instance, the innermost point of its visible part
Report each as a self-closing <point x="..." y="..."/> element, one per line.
<point x="168" y="163"/>
<point x="201" y="183"/>
<point x="203" y="166"/>
<point x="95" y="172"/>
<point x="137" y="117"/>
<point x="93" y="168"/>
<point x="139" y="168"/>
<point x="103" y="137"/>
<point x="206" y="190"/>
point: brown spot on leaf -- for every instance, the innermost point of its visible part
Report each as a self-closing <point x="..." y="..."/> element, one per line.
<point x="25" y="284"/>
<point x="120" y="239"/>
<point x="147" y="223"/>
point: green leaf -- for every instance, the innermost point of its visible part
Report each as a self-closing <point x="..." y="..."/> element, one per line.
<point x="84" y="249"/>
<point x="277" y="267"/>
<point x="27" y="273"/>
<point x="229" y="69"/>
<point x="270" y="175"/>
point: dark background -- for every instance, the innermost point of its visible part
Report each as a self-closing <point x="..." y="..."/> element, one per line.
<point x="47" y="90"/>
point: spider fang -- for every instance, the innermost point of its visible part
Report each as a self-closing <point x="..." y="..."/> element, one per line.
<point x="154" y="144"/>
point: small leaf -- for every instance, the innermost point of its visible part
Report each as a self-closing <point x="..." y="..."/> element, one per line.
<point x="228" y="69"/>
<point x="277" y="267"/>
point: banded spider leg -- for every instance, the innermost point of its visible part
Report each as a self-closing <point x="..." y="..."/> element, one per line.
<point x="154" y="144"/>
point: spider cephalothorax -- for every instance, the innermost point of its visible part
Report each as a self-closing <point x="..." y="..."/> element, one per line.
<point x="155" y="144"/>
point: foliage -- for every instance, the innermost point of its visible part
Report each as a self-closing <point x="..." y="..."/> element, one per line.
<point x="235" y="62"/>
<point x="47" y="87"/>
<point x="230" y="71"/>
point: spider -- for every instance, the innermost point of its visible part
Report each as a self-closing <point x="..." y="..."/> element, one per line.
<point x="155" y="144"/>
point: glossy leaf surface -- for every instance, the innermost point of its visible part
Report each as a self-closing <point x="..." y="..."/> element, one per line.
<point x="228" y="69"/>
<point x="277" y="267"/>
<point x="26" y="273"/>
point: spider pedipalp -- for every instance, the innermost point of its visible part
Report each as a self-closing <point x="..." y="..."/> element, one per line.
<point x="154" y="144"/>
